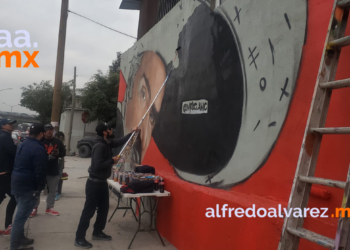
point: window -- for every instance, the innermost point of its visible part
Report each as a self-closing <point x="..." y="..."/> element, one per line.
<point x="164" y="6"/>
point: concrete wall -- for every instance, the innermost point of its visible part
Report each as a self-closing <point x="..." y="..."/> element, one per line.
<point x="77" y="129"/>
<point x="279" y="45"/>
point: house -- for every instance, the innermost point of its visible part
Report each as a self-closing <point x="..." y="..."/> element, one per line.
<point x="79" y="128"/>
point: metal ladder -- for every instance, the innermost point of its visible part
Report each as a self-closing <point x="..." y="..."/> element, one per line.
<point x="304" y="177"/>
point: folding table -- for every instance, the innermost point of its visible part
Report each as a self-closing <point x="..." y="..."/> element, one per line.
<point x="153" y="208"/>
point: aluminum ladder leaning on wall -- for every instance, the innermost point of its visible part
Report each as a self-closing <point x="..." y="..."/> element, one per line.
<point x="304" y="178"/>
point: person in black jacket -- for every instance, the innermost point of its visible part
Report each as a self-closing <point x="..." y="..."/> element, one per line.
<point x="55" y="150"/>
<point x="28" y="180"/>
<point x="7" y="158"/>
<point x="60" y="136"/>
<point x="96" y="190"/>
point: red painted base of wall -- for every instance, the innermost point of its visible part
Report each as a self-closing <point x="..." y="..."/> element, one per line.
<point x="182" y="219"/>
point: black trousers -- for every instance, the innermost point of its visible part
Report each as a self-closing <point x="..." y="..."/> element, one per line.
<point x="97" y="196"/>
<point x="59" y="188"/>
<point x="5" y="188"/>
<point x="60" y="183"/>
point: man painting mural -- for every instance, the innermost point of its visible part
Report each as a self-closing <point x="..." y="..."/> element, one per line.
<point x="147" y="74"/>
<point x="97" y="193"/>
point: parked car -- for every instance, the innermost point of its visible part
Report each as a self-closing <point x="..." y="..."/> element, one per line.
<point x="23" y="135"/>
<point x="15" y="136"/>
<point x="15" y="139"/>
<point x="85" y="146"/>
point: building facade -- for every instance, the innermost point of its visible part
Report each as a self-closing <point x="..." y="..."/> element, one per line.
<point x="80" y="130"/>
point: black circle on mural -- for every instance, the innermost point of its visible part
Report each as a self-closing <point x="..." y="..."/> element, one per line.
<point x="263" y="84"/>
<point x="202" y="144"/>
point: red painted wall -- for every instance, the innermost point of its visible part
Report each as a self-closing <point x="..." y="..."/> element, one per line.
<point x="182" y="219"/>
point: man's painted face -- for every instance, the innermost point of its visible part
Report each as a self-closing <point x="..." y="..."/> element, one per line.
<point x="148" y="80"/>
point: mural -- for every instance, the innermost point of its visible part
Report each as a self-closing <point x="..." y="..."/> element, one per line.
<point x="225" y="102"/>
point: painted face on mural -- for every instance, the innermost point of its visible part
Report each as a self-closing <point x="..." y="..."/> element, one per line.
<point x="146" y="83"/>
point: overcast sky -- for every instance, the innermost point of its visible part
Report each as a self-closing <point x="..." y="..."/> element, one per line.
<point x="89" y="47"/>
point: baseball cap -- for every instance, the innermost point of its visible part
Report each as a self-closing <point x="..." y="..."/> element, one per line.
<point x="48" y="127"/>
<point x="7" y="121"/>
<point x="100" y="128"/>
<point x="36" y="128"/>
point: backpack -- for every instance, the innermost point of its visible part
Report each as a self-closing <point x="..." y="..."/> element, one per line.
<point x="138" y="187"/>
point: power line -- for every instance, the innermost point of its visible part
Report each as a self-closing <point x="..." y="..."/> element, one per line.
<point x="102" y="24"/>
<point x="87" y="74"/>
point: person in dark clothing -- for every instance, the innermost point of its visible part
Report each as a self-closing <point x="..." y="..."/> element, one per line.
<point x="55" y="150"/>
<point x="96" y="189"/>
<point x="28" y="180"/>
<point x="7" y="158"/>
<point x="60" y="136"/>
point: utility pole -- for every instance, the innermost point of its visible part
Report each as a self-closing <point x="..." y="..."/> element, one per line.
<point x="11" y="106"/>
<point x="56" y="104"/>
<point x="72" y="111"/>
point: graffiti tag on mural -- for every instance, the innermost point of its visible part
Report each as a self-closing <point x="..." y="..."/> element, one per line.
<point x="195" y="107"/>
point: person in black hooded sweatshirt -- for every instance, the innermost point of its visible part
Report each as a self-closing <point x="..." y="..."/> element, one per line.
<point x="96" y="189"/>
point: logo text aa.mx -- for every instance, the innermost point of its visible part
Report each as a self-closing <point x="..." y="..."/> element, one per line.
<point x="19" y="42"/>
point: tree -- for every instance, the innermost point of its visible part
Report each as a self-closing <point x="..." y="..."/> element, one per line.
<point x="100" y="94"/>
<point x="115" y="67"/>
<point x="100" y="97"/>
<point x="39" y="97"/>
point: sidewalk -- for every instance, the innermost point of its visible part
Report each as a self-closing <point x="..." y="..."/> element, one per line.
<point x="58" y="233"/>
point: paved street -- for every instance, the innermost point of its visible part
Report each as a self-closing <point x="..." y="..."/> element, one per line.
<point x="58" y="233"/>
